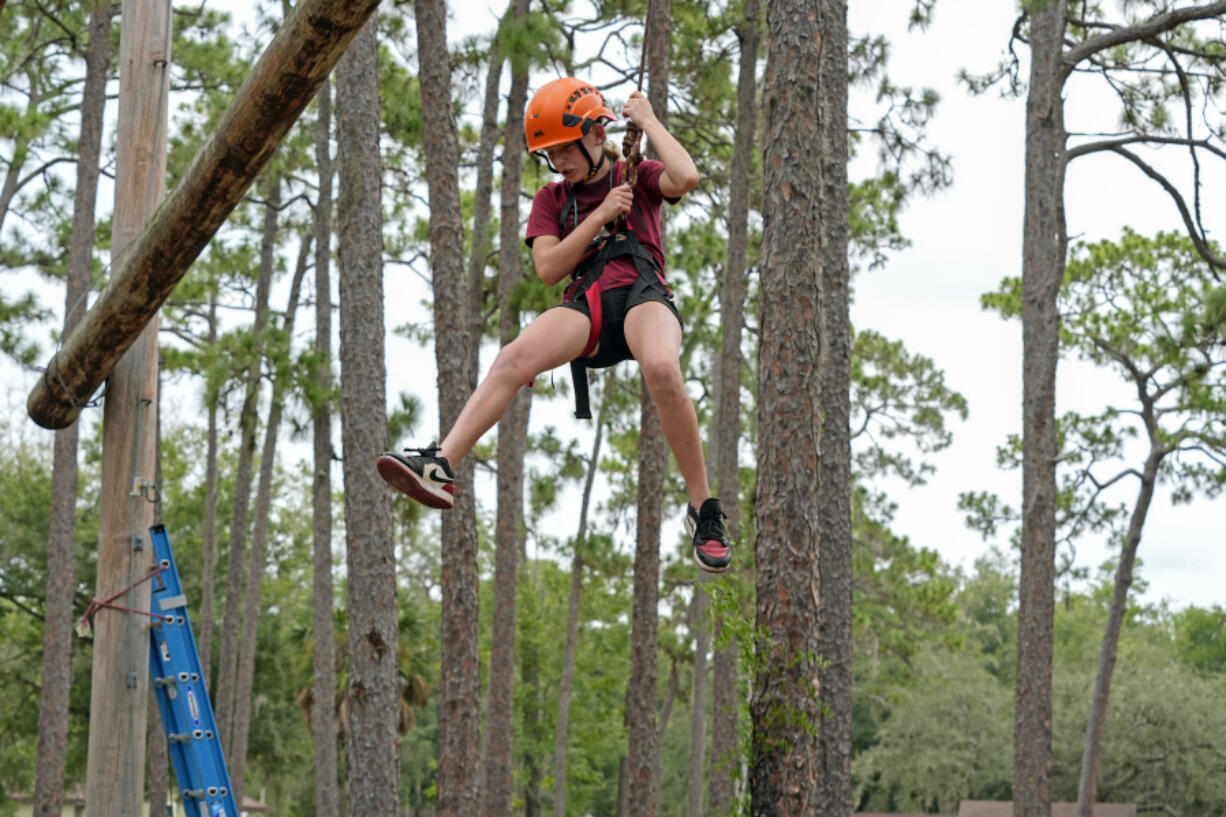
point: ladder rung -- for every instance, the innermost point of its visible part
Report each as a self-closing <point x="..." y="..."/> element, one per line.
<point x="187" y="717"/>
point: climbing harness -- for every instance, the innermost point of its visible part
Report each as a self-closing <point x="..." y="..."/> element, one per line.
<point x="620" y="242"/>
<point x="583" y="107"/>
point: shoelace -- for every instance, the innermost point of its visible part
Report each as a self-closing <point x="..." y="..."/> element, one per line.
<point x="710" y="526"/>
<point x="430" y="450"/>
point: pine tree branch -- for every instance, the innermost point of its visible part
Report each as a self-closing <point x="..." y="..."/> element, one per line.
<point x="1159" y="24"/>
<point x="1111" y="144"/>
<point x="1195" y="232"/>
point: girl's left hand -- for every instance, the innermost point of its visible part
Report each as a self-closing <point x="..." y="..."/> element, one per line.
<point x="638" y="109"/>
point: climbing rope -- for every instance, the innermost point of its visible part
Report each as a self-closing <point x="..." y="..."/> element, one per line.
<point x="630" y="143"/>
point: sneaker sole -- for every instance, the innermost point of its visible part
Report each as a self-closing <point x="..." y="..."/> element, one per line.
<point x="406" y="481"/>
<point x="708" y="568"/>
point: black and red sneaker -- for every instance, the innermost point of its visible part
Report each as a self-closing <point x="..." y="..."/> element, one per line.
<point x="712" y="551"/>
<point x="425" y="476"/>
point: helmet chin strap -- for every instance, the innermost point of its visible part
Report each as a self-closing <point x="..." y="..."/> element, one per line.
<point x="594" y="167"/>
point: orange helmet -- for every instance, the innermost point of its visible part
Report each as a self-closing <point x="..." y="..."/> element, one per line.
<point x="562" y="111"/>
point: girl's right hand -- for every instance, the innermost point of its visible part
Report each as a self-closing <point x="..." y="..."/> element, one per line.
<point x="617" y="203"/>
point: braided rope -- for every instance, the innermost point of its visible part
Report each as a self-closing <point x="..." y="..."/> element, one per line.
<point x="630" y="143"/>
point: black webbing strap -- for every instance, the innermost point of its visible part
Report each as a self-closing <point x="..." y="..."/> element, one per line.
<point x="619" y="244"/>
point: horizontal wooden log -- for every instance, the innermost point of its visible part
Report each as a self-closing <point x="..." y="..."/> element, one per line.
<point x="284" y="81"/>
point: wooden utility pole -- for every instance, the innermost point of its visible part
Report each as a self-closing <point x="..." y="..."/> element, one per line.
<point x="283" y="82"/>
<point x="115" y="770"/>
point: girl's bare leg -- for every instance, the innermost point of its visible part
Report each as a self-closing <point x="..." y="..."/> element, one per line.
<point x="555" y="337"/>
<point x="654" y="336"/>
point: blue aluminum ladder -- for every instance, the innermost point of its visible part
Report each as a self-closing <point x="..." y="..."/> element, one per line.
<point x="187" y="715"/>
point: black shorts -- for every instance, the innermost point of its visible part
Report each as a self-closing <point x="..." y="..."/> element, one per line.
<point x="614" y="304"/>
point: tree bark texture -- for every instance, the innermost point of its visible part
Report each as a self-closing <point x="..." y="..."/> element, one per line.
<point x="565" y="683"/>
<point x="323" y="713"/>
<point x="530" y="678"/>
<point x="119" y="684"/>
<point x="1087" y="786"/>
<point x="726" y="432"/>
<point x="834" y="476"/>
<point x="480" y="246"/>
<point x="785" y="706"/>
<point x="1044" y="243"/>
<point x="237" y="760"/>
<point x="498" y="765"/>
<point x="62" y="530"/>
<point x="231" y="622"/>
<point x="209" y="544"/>
<point x="288" y="74"/>
<point x="372" y="695"/>
<point x="643" y="757"/>
<point x="459" y="691"/>
<point x="644" y="746"/>
<point x="698" y="697"/>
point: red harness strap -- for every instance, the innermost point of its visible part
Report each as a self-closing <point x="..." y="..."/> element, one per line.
<point x="596" y="312"/>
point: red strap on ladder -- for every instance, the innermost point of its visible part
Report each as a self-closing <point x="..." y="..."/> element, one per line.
<point x="84" y="627"/>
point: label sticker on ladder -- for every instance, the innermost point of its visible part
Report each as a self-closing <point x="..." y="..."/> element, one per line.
<point x="193" y="706"/>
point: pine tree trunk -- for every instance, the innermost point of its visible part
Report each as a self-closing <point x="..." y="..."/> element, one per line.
<point x="834" y="482"/>
<point x="726" y="432"/>
<point x="237" y="760"/>
<point x="643" y="758"/>
<point x="562" y="729"/>
<point x="784" y="776"/>
<point x="323" y="713"/>
<point x="459" y="692"/>
<point x="644" y="738"/>
<point x="499" y="764"/>
<point x="61" y="542"/>
<point x="1043" y="256"/>
<point x="698" y="698"/>
<point x="209" y="545"/>
<point x="228" y="658"/>
<point x="530" y="676"/>
<point x="1087" y="788"/>
<point x="480" y="245"/>
<point x="372" y="696"/>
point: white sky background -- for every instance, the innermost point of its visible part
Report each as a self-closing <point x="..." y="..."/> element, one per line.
<point x="964" y="241"/>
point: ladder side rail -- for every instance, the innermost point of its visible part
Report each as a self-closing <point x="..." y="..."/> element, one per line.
<point x="191" y="729"/>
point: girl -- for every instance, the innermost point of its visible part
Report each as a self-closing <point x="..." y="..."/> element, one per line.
<point x="605" y="234"/>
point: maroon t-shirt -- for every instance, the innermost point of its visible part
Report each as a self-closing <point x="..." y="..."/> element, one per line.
<point x="644" y="218"/>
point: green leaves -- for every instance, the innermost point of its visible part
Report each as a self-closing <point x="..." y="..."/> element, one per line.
<point x="15" y="317"/>
<point x="1146" y="309"/>
<point x="897" y="396"/>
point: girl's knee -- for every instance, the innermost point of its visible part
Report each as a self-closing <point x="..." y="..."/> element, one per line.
<point x="663" y="376"/>
<point x="512" y="364"/>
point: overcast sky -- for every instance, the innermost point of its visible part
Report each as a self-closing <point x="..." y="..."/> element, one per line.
<point x="964" y="241"/>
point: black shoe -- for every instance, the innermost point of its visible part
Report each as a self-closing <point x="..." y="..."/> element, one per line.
<point x="712" y="551"/>
<point x="427" y="477"/>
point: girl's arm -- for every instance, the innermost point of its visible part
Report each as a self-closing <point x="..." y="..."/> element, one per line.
<point x="680" y="175"/>
<point x="555" y="259"/>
